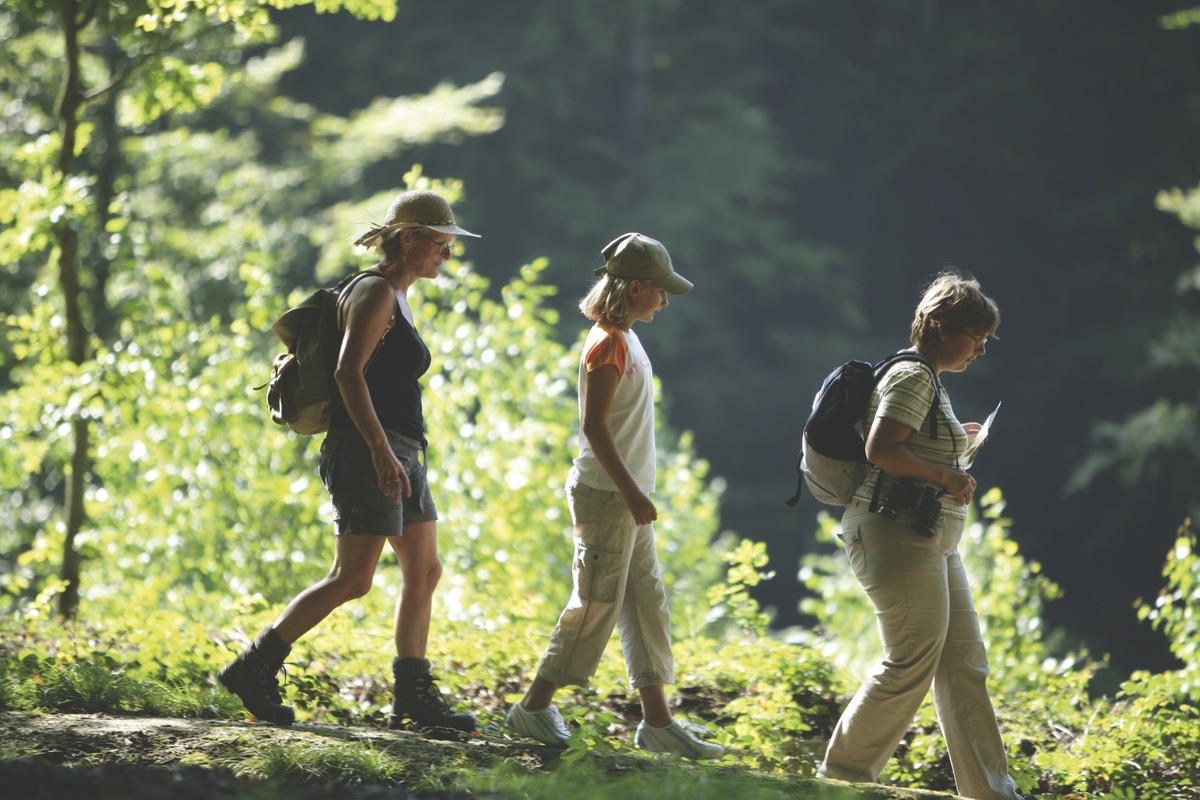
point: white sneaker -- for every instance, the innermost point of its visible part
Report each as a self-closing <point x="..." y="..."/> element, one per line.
<point x="675" y="739"/>
<point x="694" y="728"/>
<point x="544" y="725"/>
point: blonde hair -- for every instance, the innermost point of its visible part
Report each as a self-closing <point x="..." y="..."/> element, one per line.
<point x="387" y="244"/>
<point x="951" y="304"/>
<point x="607" y="301"/>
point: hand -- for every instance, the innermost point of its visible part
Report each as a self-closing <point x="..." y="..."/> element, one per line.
<point x="959" y="485"/>
<point x="972" y="429"/>
<point x="642" y="508"/>
<point x="393" y="480"/>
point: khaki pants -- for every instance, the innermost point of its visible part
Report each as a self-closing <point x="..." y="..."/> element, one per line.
<point x="930" y="635"/>
<point x="617" y="583"/>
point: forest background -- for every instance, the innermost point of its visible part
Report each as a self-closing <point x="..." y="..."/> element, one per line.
<point x="810" y="166"/>
<point x="171" y="178"/>
<point x="175" y="173"/>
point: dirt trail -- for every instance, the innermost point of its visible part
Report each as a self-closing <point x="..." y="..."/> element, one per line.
<point x="105" y="757"/>
<point x="102" y="757"/>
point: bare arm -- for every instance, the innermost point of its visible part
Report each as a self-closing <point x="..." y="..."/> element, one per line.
<point x="887" y="449"/>
<point x="599" y="388"/>
<point x="369" y="308"/>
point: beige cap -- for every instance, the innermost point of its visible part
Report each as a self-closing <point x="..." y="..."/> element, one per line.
<point x="632" y="255"/>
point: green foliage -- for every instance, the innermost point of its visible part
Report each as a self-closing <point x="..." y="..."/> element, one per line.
<point x="780" y="704"/>
<point x="1161" y="441"/>
<point x="1135" y="447"/>
<point x="1141" y="744"/>
<point x="185" y="261"/>
<point x="732" y="598"/>
<point x="1176" y="610"/>
<point x="1184" y="18"/>
<point x="771" y="703"/>
<point x="120" y="669"/>
<point x="248" y="15"/>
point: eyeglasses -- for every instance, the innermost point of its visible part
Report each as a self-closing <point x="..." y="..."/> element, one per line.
<point x="447" y="248"/>
<point x="980" y="341"/>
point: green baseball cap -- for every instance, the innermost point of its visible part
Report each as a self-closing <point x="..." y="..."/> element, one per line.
<point x="632" y="255"/>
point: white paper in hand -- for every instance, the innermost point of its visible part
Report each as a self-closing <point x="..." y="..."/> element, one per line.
<point x="981" y="437"/>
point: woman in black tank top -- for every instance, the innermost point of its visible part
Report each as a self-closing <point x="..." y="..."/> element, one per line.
<point x="371" y="463"/>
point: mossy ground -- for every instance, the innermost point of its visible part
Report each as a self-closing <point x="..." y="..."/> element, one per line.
<point x="105" y="757"/>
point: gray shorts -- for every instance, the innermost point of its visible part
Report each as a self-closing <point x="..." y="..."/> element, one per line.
<point x="359" y="506"/>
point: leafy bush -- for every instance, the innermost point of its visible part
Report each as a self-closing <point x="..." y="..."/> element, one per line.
<point x="1143" y="743"/>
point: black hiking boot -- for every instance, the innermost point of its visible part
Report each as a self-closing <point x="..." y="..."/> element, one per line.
<point x="251" y="677"/>
<point x="418" y="699"/>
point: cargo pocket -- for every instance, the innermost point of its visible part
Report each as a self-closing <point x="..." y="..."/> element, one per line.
<point x="599" y="573"/>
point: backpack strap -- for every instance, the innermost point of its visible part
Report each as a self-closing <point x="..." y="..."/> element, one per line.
<point x="935" y="406"/>
<point x="877" y="371"/>
<point x="342" y="291"/>
<point x="795" y="498"/>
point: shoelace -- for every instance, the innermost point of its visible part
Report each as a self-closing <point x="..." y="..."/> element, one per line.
<point x="428" y="692"/>
<point x="270" y="684"/>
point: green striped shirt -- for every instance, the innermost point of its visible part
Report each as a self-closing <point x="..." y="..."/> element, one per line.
<point x="904" y="394"/>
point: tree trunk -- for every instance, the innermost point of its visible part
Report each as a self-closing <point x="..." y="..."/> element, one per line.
<point x="67" y="233"/>
<point x="109" y="164"/>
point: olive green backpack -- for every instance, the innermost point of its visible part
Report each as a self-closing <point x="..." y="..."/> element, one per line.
<point x="301" y="392"/>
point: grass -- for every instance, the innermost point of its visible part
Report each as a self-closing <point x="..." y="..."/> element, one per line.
<point x="350" y="763"/>
<point x="602" y="777"/>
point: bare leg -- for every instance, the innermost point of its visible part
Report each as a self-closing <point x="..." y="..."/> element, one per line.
<point x="655" y="710"/>
<point x="350" y="577"/>
<point x="421" y="569"/>
<point x="540" y="694"/>
<point x="659" y="733"/>
<point x="417" y="696"/>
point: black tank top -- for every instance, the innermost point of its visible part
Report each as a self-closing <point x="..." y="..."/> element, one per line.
<point x="393" y="379"/>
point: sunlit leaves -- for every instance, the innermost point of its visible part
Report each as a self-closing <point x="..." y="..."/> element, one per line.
<point x="390" y="125"/>
<point x="1176" y="610"/>
<point x="41" y="199"/>
<point x="1183" y="18"/>
<point x="747" y="568"/>
<point x="251" y="14"/>
<point x="171" y="85"/>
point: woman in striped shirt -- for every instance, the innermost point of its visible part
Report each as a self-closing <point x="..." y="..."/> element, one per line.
<point x="901" y="534"/>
